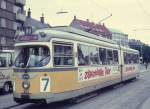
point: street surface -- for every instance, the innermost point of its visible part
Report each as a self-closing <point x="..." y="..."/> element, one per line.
<point x="131" y="95"/>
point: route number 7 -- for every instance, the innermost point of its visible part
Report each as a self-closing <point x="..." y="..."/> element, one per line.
<point x="44" y="84"/>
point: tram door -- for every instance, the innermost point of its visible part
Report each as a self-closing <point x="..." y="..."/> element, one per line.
<point x="121" y="63"/>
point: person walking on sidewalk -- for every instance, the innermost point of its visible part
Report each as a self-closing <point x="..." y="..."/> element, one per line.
<point x="146" y="65"/>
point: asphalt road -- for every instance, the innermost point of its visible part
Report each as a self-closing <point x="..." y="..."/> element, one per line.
<point x="130" y="95"/>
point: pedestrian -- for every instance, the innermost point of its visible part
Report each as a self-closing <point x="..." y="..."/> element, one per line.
<point x="146" y="65"/>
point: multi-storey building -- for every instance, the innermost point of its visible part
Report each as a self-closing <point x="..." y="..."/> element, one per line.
<point x="120" y="37"/>
<point x="12" y="18"/>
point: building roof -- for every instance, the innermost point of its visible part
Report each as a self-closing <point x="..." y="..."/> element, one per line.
<point x="35" y="24"/>
<point x="91" y="27"/>
<point x="30" y="22"/>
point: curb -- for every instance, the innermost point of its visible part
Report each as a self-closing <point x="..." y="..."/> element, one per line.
<point x="144" y="70"/>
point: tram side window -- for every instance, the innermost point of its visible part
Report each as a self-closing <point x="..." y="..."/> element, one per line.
<point x="110" y="57"/>
<point x="3" y="62"/>
<point x="125" y="58"/>
<point x="102" y="56"/>
<point x="131" y="58"/>
<point x="63" y="55"/>
<point x="5" y="59"/>
<point x="135" y="58"/>
<point x="115" y="55"/>
<point x="94" y="55"/>
<point x="83" y="55"/>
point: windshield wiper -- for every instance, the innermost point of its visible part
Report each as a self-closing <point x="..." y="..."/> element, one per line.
<point x="27" y="66"/>
<point x="44" y="58"/>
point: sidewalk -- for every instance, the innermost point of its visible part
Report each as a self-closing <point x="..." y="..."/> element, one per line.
<point x="143" y="69"/>
<point x="146" y="104"/>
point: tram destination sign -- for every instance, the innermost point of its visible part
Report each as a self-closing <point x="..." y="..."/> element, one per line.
<point x="28" y="38"/>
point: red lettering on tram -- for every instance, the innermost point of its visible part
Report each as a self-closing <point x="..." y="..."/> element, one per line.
<point x="129" y="69"/>
<point x="98" y="72"/>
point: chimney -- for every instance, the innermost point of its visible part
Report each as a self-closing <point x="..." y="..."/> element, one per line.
<point x="103" y="24"/>
<point x="42" y="18"/>
<point x="29" y="13"/>
<point x="75" y="17"/>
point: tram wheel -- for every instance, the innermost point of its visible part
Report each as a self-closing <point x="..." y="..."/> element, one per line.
<point x="6" y="88"/>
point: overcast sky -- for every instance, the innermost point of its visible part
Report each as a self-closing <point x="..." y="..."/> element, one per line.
<point x="127" y="15"/>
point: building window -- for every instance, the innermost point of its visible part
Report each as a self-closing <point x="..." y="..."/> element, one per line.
<point x="3" y="40"/>
<point x="2" y="22"/>
<point x="14" y="26"/>
<point x="3" y="4"/>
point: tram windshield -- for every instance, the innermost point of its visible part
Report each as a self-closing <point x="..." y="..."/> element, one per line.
<point x="33" y="56"/>
<point x="5" y="59"/>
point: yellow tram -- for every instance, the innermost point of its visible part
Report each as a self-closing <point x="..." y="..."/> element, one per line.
<point x="60" y="63"/>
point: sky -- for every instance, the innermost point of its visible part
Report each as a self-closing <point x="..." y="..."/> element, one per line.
<point x="129" y="16"/>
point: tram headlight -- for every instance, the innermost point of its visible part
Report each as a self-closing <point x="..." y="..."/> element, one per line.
<point x="26" y="84"/>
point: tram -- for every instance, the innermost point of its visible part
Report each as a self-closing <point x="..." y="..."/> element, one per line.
<point x="6" y="71"/>
<point x="60" y="63"/>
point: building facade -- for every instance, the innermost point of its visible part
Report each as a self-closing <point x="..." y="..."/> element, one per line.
<point x="91" y="27"/>
<point x="12" y="18"/>
<point x="120" y="37"/>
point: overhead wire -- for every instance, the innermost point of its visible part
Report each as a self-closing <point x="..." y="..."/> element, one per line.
<point x="142" y="8"/>
<point x="100" y="6"/>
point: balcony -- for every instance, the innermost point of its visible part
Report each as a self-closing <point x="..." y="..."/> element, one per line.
<point x="21" y="16"/>
<point x="20" y="2"/>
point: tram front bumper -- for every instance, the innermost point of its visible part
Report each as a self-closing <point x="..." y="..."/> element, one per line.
<point x="33" y="98"/>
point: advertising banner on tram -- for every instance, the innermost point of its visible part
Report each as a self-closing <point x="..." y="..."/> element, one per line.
<point x="86" y="74"/>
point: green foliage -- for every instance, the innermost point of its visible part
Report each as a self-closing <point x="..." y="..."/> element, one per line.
<point x="144" y="52"/>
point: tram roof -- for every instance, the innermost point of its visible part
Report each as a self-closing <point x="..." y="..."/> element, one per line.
<point x="72" y="30"/>
<point x="66" y="31"/>
<point x="58" y="31"/>
<point x="129" y="49"/>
